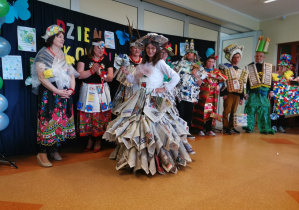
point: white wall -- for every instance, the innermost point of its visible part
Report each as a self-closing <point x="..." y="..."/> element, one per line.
<point x="109" y="10"/>
<point x="199" y="32"/>
<point x="280" y="31"/>
<point x="160" y="23"/>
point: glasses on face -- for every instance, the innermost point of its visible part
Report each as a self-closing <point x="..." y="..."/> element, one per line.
<point x="150" y="48"/>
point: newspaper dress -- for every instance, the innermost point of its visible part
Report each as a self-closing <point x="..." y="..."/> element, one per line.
<point x="148" y="131"/>
<point x="125" y="89"/>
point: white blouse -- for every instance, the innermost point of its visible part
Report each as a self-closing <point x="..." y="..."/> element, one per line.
<point x="155" y="80"/>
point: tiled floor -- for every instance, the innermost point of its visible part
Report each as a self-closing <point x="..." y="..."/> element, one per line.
<point x="246" y="171"/>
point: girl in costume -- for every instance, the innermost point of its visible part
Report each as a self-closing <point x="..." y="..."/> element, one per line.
<point x="149" y="134"/>
<point x="204" y="111"/>
<point x="94" y="102"/>
<point x="53" y="80"/>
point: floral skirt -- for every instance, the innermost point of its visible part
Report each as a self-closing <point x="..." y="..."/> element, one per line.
<point x="55" y="119"/>
<point x="93" y="124"/>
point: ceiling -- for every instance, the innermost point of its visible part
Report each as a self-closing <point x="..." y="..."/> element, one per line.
<point x="261" y="11"/>
<point x="254" y="8"/>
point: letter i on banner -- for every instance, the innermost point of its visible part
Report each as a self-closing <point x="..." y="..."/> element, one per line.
<point x="79" y="33"/>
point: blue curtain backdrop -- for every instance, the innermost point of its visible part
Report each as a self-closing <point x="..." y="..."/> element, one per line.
<point x="20" y="136"/>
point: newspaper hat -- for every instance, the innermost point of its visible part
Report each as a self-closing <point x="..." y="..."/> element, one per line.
<point x="150" y="37"/>
<point x="168" y="49"/>
<point x="284" y="60"/>
<point x="262" y="45"/>
<point x="189" y="48"/>
<point x="52" y="30"/>
<point x="231" y="50"/>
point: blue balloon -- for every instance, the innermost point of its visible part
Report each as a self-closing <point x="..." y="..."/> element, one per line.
<point x="4" y="121"/>
<point x="4" y="47"/>
<point x="3" y="103"/>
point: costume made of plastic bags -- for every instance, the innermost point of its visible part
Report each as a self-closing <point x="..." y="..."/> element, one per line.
<point x="187" y="89"/>
<point x="58" y="68"/>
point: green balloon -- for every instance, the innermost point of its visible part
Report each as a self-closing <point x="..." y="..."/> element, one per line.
<point x="1" y="82"/>
<point x="4" y="8"/>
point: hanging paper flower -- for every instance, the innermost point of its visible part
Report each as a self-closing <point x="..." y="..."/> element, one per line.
<point x="79" y="105"/>
<point x="89" y="108"/>
<point x="69" y="59"/>
<point x="48" y="73"/>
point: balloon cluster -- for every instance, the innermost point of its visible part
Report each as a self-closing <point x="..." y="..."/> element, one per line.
<point x="4" y="120"/>
<point x="4" y="44"/>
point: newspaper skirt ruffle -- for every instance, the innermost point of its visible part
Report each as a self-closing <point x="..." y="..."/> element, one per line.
<point x="94" y="98"/>
<point x="149" y="135"/>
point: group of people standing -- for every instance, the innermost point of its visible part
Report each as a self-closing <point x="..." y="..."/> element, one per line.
<point x="157" y="105"/>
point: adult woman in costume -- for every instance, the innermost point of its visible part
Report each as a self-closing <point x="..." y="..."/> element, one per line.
<point x="149" y="134"/>
<point x="53" y="80"/>
<point x="94" y="102"/>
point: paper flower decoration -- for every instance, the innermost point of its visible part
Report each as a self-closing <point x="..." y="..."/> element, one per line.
<point x="48" y="73"/>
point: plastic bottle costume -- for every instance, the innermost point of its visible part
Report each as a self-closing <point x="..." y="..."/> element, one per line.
<point x="259" y="82"/>
<point x="148" y="132"/>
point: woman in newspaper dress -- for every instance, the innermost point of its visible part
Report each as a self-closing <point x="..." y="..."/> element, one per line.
<point x="149" y="134"/>
<point x="126" y="89"/>
<point x="53" y="80"/>
<point x="94" y="102"/>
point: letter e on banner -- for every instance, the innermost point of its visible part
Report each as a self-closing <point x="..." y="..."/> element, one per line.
<point x="86" y="35"/>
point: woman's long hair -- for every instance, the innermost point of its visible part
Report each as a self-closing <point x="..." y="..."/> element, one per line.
<point x="156" y="57"/>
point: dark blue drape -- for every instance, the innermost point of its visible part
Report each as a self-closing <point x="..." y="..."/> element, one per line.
<point x="20" y="136"/>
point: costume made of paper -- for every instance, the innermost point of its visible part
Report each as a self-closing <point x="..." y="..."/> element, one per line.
<point x="55" y="118"/>
<point x="259" y="85"/>
<point x="148" y="131"/>
<point x="235" y="88"/>
<point x="125" y="89"/>
<point x="94" y="102"/>
<point x="206" y="107"/>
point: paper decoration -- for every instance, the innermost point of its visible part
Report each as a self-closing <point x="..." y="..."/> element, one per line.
<point x="26" y="39"/>
<point x="182" y="49"/>
<point x="12" y="67"/>
<point x="109" y="40"/>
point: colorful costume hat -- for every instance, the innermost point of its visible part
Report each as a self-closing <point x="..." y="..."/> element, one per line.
<point x="189" y="48"/>
<point x="150" y="37"/>
<point x="231" y="50"/>
<point x="262" y="45"/>
<point x="168" y="48"/>
<point x="284" y="60"/>
<point x="52" y="30"/>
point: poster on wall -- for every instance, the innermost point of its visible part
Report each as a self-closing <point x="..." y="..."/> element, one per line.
<point x="109" y="40"/>
<point x="12" y="67"/>
<point x="26" y="39"/>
